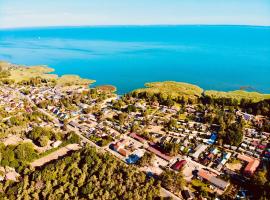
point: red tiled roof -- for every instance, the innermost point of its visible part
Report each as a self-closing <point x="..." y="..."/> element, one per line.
<point x="135" y="136"/>
<point x="179" y="164"/>
<point x="123" y="152"/>
<point x="252" y="165"/>
<point x="204" y="175"/>
<point x="244" y="158"/>
<point x="159" y="153"/>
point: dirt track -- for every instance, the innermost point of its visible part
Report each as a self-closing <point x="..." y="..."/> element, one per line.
<point x="55" y="155"/>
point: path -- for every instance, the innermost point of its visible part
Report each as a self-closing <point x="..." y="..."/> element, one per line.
<point x="55" y="155"/>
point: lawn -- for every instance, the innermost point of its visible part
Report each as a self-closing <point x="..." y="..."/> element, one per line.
<point x="199" y="184"/>
<point x="21" y="73"/>
<point x="68" y="80"/>
<point x="25" y="73"/>
<point x="107" y="88"/>
<point x="173" y="89"/>
<point x="238" y="95"/>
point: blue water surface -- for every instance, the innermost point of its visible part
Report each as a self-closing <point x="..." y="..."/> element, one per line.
<point x="213" y="57"/>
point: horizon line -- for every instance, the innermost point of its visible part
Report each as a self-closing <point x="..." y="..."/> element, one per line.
<point x="128" y="25"/>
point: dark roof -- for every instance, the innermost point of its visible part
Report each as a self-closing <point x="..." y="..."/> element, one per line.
<point x="187" y="194"/>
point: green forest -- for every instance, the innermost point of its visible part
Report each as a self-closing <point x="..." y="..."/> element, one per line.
<point x="84" y="174"/>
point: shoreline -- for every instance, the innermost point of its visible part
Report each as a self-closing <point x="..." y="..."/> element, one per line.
<point x="46" y="70"/>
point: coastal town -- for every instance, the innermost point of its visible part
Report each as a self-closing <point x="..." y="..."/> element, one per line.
<point x="42" y="122"/>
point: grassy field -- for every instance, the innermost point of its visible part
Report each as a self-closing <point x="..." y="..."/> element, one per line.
<point x="176" y="89"/>
<point x="107" y="88"/>
<point x="25" y="73"/>
<point x="3" y="65"/>
<point x="21" y="73"/>
<point x="173" y="89"/>
<point x="238" y="94"/>
<point x="68" y="80"/>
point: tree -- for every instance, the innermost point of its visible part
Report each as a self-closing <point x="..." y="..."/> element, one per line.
<point x="172" y="181"/>
<point x="73" y="137"/>
<point x="25" y="152"/>
<point x="171" y="148"/>
<point x="43" y="141"/>
<point x="83" y="174"/>
<point x="260" y="178"/>
<point x="146" y="160"/>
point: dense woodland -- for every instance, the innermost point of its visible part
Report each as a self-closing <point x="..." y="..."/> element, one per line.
<point x="85" y="174"/>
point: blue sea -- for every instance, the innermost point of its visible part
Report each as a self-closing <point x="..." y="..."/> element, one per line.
<point x="213" y="57"/>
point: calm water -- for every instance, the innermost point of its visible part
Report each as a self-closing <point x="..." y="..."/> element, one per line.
<point x="213" y="57"/>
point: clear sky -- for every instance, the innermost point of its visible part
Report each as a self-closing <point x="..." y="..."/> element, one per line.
<point x="30" y="13"/>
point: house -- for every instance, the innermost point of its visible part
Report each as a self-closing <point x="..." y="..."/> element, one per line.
<point x="11" y="174"/>
<point x="135" y="156"/>
<point x="123" y="152"/>
<point x="212" y="179"/>
<point x="225" y="158"/>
